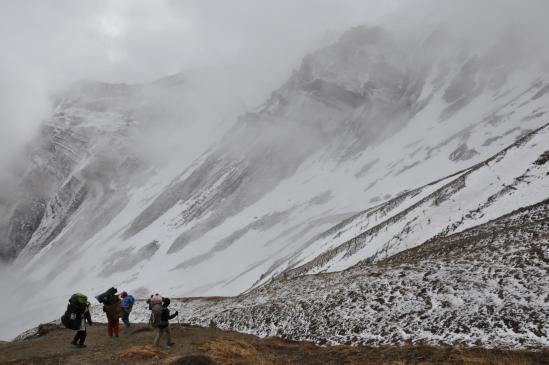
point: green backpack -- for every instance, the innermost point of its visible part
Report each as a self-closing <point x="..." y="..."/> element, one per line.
<point x="79" y="299"/>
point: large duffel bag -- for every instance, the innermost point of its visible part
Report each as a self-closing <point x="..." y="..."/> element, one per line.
<point x="107" y="296"/>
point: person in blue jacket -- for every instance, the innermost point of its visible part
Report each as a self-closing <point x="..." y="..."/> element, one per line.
<point x="127" y="305"/>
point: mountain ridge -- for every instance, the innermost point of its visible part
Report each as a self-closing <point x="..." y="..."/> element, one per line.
<point x="359" y="123"/>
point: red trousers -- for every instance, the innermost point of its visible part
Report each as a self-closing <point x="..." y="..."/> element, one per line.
<point x="113" y="327"/>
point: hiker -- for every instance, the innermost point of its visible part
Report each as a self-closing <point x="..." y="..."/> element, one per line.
<point x="76" y="316"/>
<point x="127" y="305"/>
<point x="154" y="299"/>
<point x="113" y="309"/>
<point x="161" y="320"/>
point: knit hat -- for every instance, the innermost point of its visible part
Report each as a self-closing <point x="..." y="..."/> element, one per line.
<point x="123" y="294"/>
<point x="156" y="299"/>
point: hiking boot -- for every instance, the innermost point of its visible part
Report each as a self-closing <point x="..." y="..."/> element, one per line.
<point x="171" y="343"/>
<point x="74" y="343"/>
<point x="81" y="345"/>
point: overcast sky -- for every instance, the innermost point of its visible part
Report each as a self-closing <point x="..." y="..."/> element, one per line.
<point x="47" y="44"/>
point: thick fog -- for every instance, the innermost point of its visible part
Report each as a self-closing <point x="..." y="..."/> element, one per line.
<point x="48" y="44"/>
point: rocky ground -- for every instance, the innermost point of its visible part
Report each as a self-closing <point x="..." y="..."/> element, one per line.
<point x="206" y="346"/>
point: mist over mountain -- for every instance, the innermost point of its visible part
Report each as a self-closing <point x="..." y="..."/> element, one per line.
<point x="423" y="129"/>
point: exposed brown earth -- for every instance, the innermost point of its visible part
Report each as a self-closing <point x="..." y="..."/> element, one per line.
<point x="200" y="346"/>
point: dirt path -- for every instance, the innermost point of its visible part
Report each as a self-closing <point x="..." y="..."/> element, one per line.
<point x="206" y="346"/>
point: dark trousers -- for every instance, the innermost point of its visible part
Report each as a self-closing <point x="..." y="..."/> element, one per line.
<point x="159" y="332"/>
<point x="79" y="338"/>
<point x="126" y="319"/>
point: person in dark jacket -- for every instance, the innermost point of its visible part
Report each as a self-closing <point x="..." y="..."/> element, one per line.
<point x="113" y="310"/>
<point x="161" y="320"/>
<point x="82" y="313"/>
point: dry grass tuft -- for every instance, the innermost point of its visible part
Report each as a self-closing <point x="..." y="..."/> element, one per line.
<point x="139" y="352"/>
<point x="236" y="352"/>
<point x="190" y="360"/>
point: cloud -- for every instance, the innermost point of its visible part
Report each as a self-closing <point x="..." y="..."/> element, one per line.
<point x="474" y="20"/>
<point x="48" y="44"/>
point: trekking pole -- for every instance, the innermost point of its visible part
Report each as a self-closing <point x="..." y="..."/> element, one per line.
<point x="178" y="321"/>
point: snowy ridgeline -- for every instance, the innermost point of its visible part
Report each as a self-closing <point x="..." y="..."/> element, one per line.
<point x="486" y="286"/>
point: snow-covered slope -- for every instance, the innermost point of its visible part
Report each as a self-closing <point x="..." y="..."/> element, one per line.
<point x="509" y="179"/>
<point x="485" y="286"/>
<point x="418" y="136"/>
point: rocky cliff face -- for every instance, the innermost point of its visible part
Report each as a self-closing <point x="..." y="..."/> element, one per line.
<point x="79" y="154"/>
